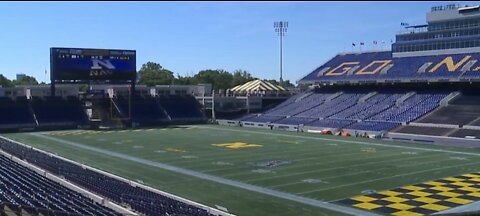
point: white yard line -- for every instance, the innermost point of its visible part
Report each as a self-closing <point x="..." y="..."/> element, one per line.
<point x="344" y="141"/>
<point x="387" y="177"/>
<point x="372" y="170"/>
<point x="296" y="166"/>
<point x="332" y="168"/>
<point x="241" y="157"/>
<point x="362" y="172"/>
<point x="303" y="165"/>
<point x="233" y="183"/>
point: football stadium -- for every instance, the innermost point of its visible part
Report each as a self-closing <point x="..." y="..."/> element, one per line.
<point x="384" y="132"/>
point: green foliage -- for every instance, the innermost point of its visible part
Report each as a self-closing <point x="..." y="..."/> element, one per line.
<point x="153" y="73"/>
<point x="220" y="79"/>
<point x="285" y="84"/>
<point x="240" y="77"/>
<point x="184" y="80"/>
<point x="26" y="80"/>
<point x="5" y="82"/>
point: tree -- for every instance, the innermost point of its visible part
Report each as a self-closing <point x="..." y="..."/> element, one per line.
<point x="26" y="80"/>
<point x="5" y="82"/>
<point x="287" y="84"/>
<point x="220" y="79"/>
<point x="241" y="77"/>
<point x="184" y="80"/>
<point x="153" y="73"/>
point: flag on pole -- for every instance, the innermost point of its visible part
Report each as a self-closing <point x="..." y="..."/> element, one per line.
<point x="361" y="43"/>
<point x="374" y="42"/>
<point x="353" y="44"/>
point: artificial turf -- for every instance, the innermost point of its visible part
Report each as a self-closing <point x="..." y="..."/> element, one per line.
<point x="320" y="167"/>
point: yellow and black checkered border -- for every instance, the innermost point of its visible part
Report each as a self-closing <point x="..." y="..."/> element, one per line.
<point x="421" y="199"/>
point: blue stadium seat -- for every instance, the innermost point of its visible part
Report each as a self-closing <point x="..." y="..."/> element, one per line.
<point x="24" y="189"/>
<point x="380" y="111"/>
<point x="141" y="200"/>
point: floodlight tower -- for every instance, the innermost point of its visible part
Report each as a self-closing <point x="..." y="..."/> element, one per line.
<point x="281" y="28"/>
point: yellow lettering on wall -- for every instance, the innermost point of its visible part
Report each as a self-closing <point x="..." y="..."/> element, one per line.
<point x="448" y="61"/>
<point x="344" y="67"/>
<point x="382" y="63"/>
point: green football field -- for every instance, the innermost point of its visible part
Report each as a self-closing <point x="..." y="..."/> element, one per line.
<point x="318" y="167"/>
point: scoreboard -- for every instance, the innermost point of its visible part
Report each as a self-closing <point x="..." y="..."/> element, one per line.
<point x="78" y="64"/>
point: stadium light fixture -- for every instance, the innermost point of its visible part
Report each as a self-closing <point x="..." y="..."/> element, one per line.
<point x="281" y="29"/>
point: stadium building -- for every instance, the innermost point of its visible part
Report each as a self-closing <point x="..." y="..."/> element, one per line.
<point x="108" y="150"/>
<point x="424" y="90"/>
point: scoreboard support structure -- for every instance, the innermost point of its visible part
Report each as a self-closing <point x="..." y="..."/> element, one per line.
<point x="86" y="65"/>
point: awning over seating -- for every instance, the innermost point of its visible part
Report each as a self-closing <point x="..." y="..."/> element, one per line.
<point x="257" y="86"/>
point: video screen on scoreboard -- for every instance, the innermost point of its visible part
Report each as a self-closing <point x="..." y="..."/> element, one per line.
<point x="92" y="64"/>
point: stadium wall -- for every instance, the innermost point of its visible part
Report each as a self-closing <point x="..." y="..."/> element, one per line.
<point x="438" y="140"/>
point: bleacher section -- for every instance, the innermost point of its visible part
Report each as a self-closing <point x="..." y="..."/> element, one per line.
<point x="366" y="110"/>
<point x="56" y="111"/>
<point x="15" y="113"/>
<point x="69" y="112"/>
<point x="449" y="120"/>
<point x="463" y="110"/>
<point x="139" y="199"/>
<point x="23" y="190"/>
<point x="380" y="67"/>
<point x="144" y="109"/>
<point x="412" y="108"/>
<point x="181" y="107"/>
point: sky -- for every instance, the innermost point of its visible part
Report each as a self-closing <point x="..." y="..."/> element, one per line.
<point x="186" y="37"/>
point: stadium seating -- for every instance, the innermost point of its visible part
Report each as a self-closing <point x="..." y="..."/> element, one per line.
<point x="331" y="123"/>
<point x="294" y="108"/>
<point x="295" y="121"/>
<point x="463" y="110"/>
<point x="370" y="65"/>
<point x="180" y="107"/>
<point x="364" y="109"/>
<point x="412" y="108"/>
<point x="139" y="199"/>
<point x="15" y="113"/>
<point x="58" y="111"/>
<point x="265" y="118"/>
<point x="373" y="125"/>
<point x="24" y="189"/>
<point x="144" y="109"/>
<point x="334" y="106"/>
